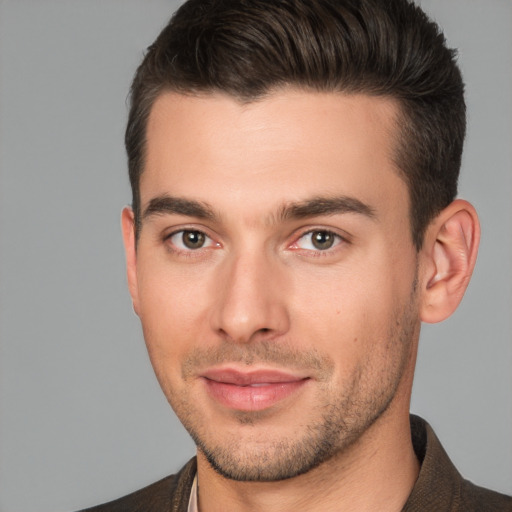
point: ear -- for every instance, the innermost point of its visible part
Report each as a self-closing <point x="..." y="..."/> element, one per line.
<point x="128" y="228"/>
<point x="448" y="257"/>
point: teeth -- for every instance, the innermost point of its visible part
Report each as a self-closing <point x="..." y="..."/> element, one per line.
<point x="259" y="384"/>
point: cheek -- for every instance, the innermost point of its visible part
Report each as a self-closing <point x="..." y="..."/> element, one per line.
<point x="169" y="295"/>
<point x="345" y="298"/>
<point x="347" y="314"/>
<point x="173" y="312"/>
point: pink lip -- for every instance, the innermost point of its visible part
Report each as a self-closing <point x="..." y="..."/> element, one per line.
<point x="251" y="391"/>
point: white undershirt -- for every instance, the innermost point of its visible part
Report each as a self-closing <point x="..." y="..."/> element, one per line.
<point x="192" y="502"/>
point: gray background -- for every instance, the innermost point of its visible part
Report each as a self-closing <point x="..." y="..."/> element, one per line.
<point x="82" y="417"/>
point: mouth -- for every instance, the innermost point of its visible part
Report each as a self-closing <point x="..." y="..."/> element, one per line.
<point x="251" y="391"/>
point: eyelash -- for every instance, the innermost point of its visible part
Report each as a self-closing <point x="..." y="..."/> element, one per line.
<point x="338" y="240"/>
<point x="172" y="247"/>
<point x="190" y="252"/>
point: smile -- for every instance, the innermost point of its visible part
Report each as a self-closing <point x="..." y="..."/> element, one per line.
<point x="252" y="391"/>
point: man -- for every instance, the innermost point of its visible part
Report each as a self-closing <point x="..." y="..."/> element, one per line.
<point x="294" y="171"/>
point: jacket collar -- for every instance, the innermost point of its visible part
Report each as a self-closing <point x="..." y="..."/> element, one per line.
<point x="437" y="486"/>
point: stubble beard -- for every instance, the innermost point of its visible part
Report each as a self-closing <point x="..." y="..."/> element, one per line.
<point x="343" y="419"/>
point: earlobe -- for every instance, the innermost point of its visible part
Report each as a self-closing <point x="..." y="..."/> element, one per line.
<point x="448" y="259"/>
<point x="128" y="229"/>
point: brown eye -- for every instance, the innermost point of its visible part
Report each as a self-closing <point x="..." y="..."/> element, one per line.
<point x="322" y="240"/>
<point x="193" y="239"/>
<point x="189" y="240"/>
<point x="318" y="240"/>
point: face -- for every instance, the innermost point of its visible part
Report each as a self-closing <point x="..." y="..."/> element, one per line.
<point x="275" y="274"/>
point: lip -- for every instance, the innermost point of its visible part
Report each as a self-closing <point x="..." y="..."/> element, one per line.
<point x="255" y="390"/>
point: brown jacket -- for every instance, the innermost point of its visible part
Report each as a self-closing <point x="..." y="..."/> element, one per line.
<point x="439" y="487"/>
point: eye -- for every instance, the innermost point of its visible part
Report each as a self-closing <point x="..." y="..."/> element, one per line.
<point x="318" y="240"/>
<point x="190" y="240"/>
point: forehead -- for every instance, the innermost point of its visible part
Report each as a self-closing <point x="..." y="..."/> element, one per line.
<point x="286" y="146"/>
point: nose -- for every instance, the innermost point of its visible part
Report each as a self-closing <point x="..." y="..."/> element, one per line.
<point x="251" y="303"/>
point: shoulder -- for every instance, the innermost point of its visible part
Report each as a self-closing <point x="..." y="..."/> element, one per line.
<point x="440" y="487"/>
<point x="478" y="499"/>
<point x="168" y="494"/>
<point x="153" y="497"/>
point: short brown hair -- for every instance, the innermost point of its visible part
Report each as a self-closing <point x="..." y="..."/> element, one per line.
<point x="247" y="48"/>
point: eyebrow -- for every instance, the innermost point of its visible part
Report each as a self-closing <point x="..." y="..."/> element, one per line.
<point x="326" y="206"/>
<point x="176" y="205"/>
<point x="314" y="207"/>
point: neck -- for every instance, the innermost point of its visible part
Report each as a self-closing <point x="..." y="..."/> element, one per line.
<point x="376" y="473"/>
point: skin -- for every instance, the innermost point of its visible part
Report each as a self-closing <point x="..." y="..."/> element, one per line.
<point x="253" y="292"/>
